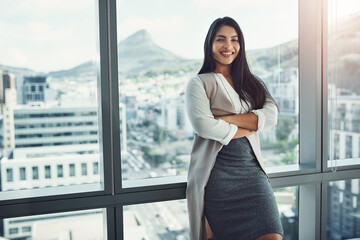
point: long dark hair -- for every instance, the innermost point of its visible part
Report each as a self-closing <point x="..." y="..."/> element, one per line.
<point x="249" y="87"/>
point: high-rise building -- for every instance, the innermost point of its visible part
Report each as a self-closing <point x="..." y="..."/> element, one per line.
<point x="7" y="81"/>
<point x="344" y="125"/>
<point x="343" y="202"/>
<point x="284" y="89"/>
<point x="49" y="147"/>
<point x="34" y="88"/>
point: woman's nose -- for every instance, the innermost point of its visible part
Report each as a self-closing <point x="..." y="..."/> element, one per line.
<point x="227" y="44"/>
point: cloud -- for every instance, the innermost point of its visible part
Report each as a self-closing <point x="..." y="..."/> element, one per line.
<point x="156" y="26"/>
<point x="41" y="8"/>
<point x="229" y="4"/>
<point x="47" y="35"/>
<point x="42" y="46"/>
<point x="18" y="56"/>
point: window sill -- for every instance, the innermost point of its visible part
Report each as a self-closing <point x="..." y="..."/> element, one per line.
<point x="50" y="193"/>
<point x="344" y="163"/>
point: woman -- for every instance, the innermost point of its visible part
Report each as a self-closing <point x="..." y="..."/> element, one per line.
<point x="228" y="192"/>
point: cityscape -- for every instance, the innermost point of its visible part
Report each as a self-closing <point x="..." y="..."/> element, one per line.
<point x="49" y="136"/>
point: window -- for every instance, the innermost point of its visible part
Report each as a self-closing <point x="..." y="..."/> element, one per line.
<point x="343" y="89"/>
<point x="60" y="171"/>
<point x="63" y="225"/>
<point x="47" y="172"/>
<point x="349" y="147"/>
<point x="71" y="170"/>
<point x="35" y="171"/>
<point x="13" y="231"/>
<point x="9" y="175"/>
<point x="83" y="169"/>
<point x="156" y="135"/>
<point x="95" y="168"/>
<point x="26" y="229"/>
<point x="167" y="220"/>
<point x="22" y="171"/>
<point x="343" y="198"/>
<point x="48" y="93"/>
<point x="143" y="156"/>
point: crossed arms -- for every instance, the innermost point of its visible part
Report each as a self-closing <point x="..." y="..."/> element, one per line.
<point x="224" y="128"/>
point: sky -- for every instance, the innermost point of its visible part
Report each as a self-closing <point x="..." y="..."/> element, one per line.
<point x="50" y="35"/>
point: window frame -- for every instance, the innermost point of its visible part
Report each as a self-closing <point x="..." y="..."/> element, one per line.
<point x="104" y="124"/>
<point x="325" y="125"/>
<point x="312" y="174"/>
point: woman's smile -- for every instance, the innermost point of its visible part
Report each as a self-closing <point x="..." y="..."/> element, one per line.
<point x="227" y="54"/>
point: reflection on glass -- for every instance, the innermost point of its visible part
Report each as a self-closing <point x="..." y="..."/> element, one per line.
<point x="343" y="210"/>
<point x="287" y="201"/>
<point x="343" y="83"/>
<point x="160" y="50"/>
<point x="48" y="93"/>
<point x="68" y="225"/>
<point x="169" y="220"/>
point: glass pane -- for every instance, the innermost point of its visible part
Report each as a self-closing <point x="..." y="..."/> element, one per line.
<point x="288" y="204"/>
<point x="68" y="225"/>
<point x="343" y="210"/>
<point x="49" y="120"/>
<point x="169" y="220"/>
<point x="343" y="83"/>
<point x="161" y="49"/>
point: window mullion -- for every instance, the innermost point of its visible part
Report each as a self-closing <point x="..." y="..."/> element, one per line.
<point x="105" y="131"/>
<point x="309" y="85"/>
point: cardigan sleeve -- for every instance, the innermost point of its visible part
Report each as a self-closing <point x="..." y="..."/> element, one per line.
<point x="201" y="117"/>
<point x="267" y="116"/>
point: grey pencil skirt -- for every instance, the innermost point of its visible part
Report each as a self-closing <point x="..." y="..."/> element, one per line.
<point x="239" y="201"/>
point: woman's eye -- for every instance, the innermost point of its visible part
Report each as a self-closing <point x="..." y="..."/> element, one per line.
<point x="219" y="40"/>
<point x="235" y="40"/>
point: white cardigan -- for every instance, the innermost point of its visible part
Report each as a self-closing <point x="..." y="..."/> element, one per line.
<point x="208" y="95"/>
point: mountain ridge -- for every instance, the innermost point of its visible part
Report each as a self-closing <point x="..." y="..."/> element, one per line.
<point x="139" y="55"/>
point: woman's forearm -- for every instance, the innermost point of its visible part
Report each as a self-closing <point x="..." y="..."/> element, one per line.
<point x="247" y="120"/>
<point x="242" y="132"/>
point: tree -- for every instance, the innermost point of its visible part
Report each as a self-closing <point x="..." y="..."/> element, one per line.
<point x="284" y="127"/>
<point x="59" y="94"/>
<point x="160" y="134"/>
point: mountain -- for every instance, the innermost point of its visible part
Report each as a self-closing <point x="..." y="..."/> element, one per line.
<point x="17" y="70"/>
<point x="85" y="69"/>
<point x="138" y="54"/>
<point x="262" y="61"/>
<point x="347" y="41"/>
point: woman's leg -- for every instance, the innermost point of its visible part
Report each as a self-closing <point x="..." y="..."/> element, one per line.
<point x="270" y="236"/>
<point x="209" y="233"/>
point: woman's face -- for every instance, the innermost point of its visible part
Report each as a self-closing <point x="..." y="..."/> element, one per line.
<point x="226" y="45"/>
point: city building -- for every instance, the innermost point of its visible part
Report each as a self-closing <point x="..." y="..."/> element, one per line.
<point x="344" y="125"/>
<point x="49" y="146"/>
<point x="7" y="80"/>
<point x="284" y="89"/>
<point x="343" y="199"/>
<point x="34" y="88"/>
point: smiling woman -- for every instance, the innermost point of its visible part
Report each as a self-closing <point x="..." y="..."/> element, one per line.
<point x="227" y="184"/>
